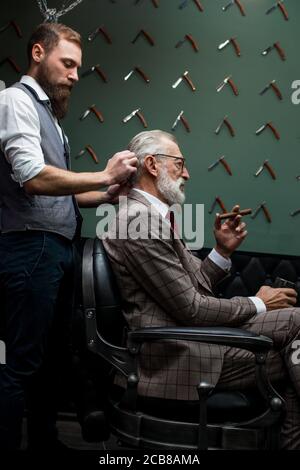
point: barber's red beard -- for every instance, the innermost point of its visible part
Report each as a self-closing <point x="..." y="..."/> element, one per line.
<point x="58" y="94"/>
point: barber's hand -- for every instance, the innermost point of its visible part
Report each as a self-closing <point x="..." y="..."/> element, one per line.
<point x="230" y="234"/>
<point x="114" y="191"/>
<point x="277" y="298"/>
<point x="121" y="167"/>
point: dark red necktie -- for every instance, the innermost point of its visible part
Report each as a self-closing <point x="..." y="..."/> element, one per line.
<point x="170" y="216"/>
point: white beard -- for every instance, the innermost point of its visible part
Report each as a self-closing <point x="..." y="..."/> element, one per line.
<point x="170" y="189"/>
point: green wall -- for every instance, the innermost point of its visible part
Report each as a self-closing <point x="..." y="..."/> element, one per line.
<point x="204" y="108"/>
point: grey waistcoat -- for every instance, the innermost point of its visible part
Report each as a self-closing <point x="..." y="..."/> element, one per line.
<point x="21" y="211"/>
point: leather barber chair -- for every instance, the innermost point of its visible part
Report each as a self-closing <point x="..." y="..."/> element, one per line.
<point x="218" y="420"/>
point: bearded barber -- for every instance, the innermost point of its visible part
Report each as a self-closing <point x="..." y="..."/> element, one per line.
<point x="39" y="198"/>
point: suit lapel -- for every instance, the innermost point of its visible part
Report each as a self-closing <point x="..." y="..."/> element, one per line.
<point x="189" y="262"/>
<point x="192" y="266"/>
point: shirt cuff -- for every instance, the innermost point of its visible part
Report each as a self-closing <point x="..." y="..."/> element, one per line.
<point x="259" y="304"/>
<point x="219" y="260"/>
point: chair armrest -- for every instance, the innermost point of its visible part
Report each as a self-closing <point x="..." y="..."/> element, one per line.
<point x="234" y="337"/>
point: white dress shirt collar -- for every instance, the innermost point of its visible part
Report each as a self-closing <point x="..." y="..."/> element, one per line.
<point x="159" y="205"/>
<point x="30" y="81"/>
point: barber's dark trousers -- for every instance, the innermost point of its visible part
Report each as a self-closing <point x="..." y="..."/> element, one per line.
<point x="36" y="281"/>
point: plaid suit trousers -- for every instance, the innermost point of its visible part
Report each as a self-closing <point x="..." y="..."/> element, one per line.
<point x="283" y="326"/>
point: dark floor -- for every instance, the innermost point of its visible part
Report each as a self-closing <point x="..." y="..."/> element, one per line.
<point x="70" y="434"/>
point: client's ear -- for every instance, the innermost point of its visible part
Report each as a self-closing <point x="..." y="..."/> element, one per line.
<point x="151" y="165"/>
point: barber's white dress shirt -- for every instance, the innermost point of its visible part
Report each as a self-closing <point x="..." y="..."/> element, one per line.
<point x="20" y="138"/>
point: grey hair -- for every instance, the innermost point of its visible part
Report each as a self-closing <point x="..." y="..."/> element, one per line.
<point x="149" y="143"/>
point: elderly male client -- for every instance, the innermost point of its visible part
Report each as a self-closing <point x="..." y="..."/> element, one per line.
<point x="163" y="284"/>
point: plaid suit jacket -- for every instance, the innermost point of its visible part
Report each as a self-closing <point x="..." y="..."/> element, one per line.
<point x="163" y="284"/>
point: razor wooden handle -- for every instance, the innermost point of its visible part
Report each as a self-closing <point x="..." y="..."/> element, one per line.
<point x="236" y="47"/>
<point x="148" y="37"/>
<point x="189" y="81"/>
<point x="199" y="5"/>
<point x="233" y="87"/>
<point x="97" y="114"/>
<point x="270" y="170"/>
<point x="241" y="8"/>
<point x="229" y="127"/>
<point x="190" y="38"/>
<point x="221" y="204"/>
<point x="185" y="123"/>
<point x="283" y="10"/>
<point x="106" y="35"/>
<point x="16" y="28"/>
<point x="14" y="64"/>
<point x="280" y="51"/>
<point x="274" y="130"/>
<point x="142" y="74"/>
<point x="267" y="214"/>
<point x="226" y="166"/>
<point x="142" y="119"/>
<point x="101" y="73"/>
<point x="277" y="91"/>
<point x="92" y="153"/>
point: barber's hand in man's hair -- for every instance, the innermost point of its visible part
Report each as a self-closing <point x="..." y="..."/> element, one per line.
<point x="114" y="191"/>
<point x="274" y="299"/>
<point x="121" y="167"/>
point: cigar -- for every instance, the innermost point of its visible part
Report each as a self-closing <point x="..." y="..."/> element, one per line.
<point x="231" y="215"/>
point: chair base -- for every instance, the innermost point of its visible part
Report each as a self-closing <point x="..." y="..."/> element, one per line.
<point x="140" y="430"/>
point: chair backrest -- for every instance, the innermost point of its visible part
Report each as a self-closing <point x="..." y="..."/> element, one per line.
<point x="108" y="303"/>
<point x="104" y="321"/>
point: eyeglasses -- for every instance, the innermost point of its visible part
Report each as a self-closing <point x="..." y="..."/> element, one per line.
<point x="180" y="164"/>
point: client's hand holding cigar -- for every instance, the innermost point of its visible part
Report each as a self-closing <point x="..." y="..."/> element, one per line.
<point x="231" y="233"/>
<point x="231" y="215"/>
